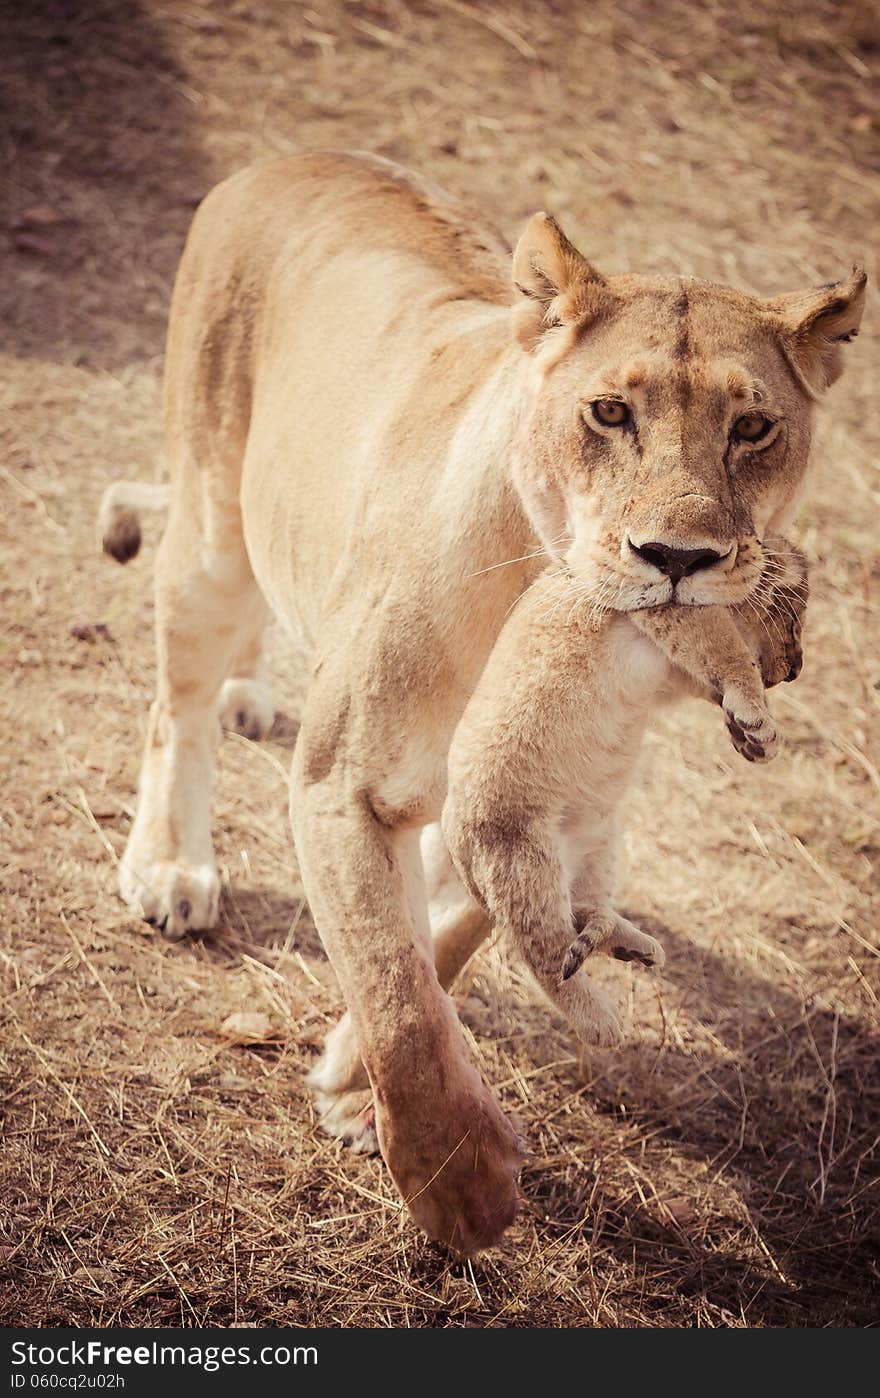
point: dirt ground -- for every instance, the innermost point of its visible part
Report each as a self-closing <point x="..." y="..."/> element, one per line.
<point x="721" y="1169"/>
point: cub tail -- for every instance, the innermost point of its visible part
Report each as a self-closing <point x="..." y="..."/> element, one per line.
<point x="119" y="515"/>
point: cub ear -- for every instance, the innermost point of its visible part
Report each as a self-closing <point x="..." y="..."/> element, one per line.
<point x="814" y="324"/>
<point x="559" y="284"/>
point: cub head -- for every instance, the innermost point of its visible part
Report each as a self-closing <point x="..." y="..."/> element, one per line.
<point x="667" y="423"/>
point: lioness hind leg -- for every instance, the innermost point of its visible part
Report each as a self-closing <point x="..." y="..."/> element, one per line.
<point x="246" y="700"/>
<point x="168" y="873"/>
<point x="342" y="1091"/>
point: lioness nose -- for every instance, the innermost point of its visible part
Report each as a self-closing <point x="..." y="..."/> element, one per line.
<point x="676" y="563"/>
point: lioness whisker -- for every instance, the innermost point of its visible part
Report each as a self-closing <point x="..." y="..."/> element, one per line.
<point x="523" y="558"/>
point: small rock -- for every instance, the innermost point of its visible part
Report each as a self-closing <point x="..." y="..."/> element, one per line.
<point x="681" y="1211"/>
<point x="247" y="1027"/>
<point x="90" y="1274"/>
<point x="233" y="1082"/>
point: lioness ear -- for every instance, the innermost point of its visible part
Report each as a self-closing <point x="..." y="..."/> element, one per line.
<point x="814" y="325"/>
<point x="558" y="284"/>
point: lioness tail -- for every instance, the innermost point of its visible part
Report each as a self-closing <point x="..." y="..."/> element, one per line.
<point x="119" y="515"/>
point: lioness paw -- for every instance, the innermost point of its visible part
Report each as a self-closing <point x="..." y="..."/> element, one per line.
<point x="172" y="896"/>
<point x="351" y="1118"/>
<point x="458" y="1172"/>
<point x="246" y="707"/>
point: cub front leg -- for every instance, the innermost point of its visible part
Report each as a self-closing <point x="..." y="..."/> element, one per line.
<point x="706" y="645"/>
<point x="731" y="655"/>
<point x="752" y="728"/>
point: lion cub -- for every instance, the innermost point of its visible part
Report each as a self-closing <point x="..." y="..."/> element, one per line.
<point x="547" y="745"/>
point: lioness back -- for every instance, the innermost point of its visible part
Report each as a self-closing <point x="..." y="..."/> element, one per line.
<point x="333" y="319"/>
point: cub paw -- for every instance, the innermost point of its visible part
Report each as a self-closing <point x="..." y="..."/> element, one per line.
<point x="629" y="943"/>
<point x="752" y="730"/>
<point x="590" y="1013"/>
<point x="610" y="935"/>
<point x="173" y="897"/>
<point x="780" y="610"/>
<point x="782" y="655"/>
<point x="246" y="707"/>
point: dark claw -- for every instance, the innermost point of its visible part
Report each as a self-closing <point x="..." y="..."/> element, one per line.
<point x="574" y="958"/>
<point x="734" y="729"/>
<point x="627" y="954"/>
<point x="184" y="908"/>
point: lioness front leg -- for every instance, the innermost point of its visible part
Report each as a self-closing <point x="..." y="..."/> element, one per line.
<point x="452" y="1153"/>
<point x="458" y="925"/>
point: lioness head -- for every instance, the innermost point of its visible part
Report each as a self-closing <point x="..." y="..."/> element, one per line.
<point x="668" y="422"/>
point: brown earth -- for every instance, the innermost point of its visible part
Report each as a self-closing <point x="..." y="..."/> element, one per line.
<point x="721" y="1170"/>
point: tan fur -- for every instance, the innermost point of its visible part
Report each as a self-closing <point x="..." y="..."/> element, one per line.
<point x="358" y="437"/>
<point x="544" y="751"/>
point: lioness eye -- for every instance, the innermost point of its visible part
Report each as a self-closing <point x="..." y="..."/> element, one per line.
<point x="611" y="412"/>
<point x="751" y="427"/>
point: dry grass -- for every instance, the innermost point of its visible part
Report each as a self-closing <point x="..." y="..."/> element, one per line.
<point x="722" y="1169"/>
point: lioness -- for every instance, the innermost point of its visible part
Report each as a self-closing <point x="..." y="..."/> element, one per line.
<point x="372" y="433"/>
<point x="545" y="748"/>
